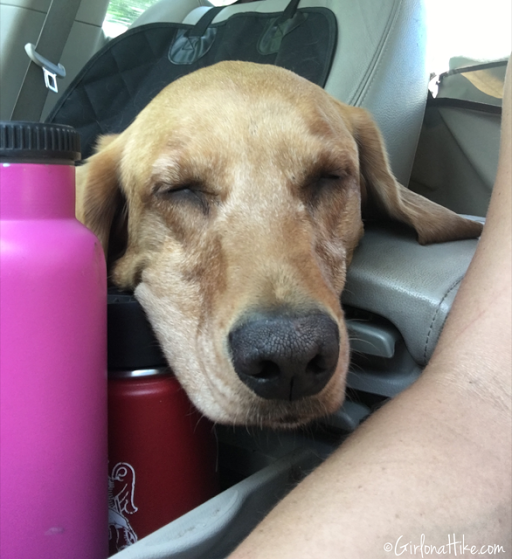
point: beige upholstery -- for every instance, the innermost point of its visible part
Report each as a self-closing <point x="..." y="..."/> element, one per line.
<point x="20" y="23"/>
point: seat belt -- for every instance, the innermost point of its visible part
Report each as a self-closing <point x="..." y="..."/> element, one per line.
<point x="50" y="44"/>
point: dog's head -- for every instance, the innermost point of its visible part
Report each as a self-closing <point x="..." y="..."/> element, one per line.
<point x="232" y="206"/>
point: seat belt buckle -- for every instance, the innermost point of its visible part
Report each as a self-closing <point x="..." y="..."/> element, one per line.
<point x="51" y="71"/>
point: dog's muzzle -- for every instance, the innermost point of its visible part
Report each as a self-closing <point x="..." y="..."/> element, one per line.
<point x="283" y="357"/>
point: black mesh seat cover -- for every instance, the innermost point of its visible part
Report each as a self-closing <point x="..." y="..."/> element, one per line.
<point x="123" y="77"/>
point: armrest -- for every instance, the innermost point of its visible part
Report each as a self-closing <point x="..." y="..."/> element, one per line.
<point x="410" y="285"/>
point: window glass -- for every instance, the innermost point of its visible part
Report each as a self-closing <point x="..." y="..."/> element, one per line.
<point x="480" y="31"/>
<point x="122" y="13"/>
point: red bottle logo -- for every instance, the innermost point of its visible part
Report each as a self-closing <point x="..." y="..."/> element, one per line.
<point x="121" y="493"/>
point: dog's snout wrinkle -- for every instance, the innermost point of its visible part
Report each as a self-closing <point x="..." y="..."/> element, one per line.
<point x="282" y="357"/>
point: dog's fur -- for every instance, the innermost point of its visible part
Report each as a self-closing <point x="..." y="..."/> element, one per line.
<point x="241" y="187"/>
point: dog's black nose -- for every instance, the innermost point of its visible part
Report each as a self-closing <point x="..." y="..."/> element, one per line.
<point x="283" y="357"/>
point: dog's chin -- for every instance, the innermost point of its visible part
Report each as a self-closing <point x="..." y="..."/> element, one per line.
<point x="277" y="414"/>
<point x="291" y="421"/>
<point x="285" y="421"/>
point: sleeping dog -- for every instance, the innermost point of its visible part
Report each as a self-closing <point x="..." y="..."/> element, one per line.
<point x="232" y="207"/>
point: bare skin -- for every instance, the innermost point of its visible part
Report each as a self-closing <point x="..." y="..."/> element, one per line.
<point x="435" y="461"/>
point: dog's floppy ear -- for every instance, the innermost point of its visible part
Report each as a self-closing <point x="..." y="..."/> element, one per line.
<point x="100" y="202"/>
<point x="383" y="197"/>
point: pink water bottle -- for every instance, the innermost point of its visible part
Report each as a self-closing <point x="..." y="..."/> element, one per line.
<point x="53" y="373"/>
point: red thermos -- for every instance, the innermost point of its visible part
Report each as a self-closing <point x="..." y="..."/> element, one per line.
<point x="162" y="452"/>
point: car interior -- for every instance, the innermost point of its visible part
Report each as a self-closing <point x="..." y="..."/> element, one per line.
<point x="442" y="137"/>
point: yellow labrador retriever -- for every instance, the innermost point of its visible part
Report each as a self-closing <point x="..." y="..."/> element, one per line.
<point x="232" y="206"/>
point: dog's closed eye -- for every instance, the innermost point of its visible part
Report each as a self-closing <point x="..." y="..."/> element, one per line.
<point x="329" y="179"/>
<point x="321" y="185"/>
<point x="331" y="176"/>
<point x="193" y="194"/>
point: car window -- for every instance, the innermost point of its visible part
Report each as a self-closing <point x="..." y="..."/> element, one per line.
<point x="122" y="13"/>
<point x="458" y="28"/>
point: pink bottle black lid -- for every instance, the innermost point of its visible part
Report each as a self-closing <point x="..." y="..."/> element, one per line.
<point x="37" y="142"/>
